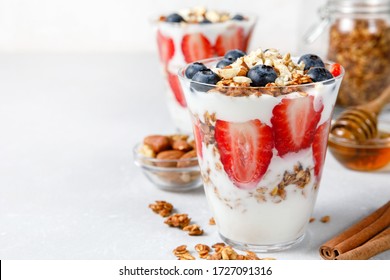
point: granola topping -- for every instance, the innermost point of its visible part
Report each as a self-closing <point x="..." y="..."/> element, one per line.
<point x="289" y="72"/>
<point x="201" y="14"/>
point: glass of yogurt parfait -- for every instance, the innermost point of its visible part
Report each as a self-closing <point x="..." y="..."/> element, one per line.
<point x="190" y="35"/>
<point x="261" y="126"/>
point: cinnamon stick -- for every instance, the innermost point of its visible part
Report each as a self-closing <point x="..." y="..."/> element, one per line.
<point x="374" y="246"/>
<point x="357" y="234"/>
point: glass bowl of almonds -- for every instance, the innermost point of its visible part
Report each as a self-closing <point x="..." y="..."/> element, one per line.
<point x="169" y="162"/>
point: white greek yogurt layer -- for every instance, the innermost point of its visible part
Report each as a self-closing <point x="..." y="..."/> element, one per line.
<point x="240" y="214"/>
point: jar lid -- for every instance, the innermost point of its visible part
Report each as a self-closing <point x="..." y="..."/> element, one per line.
<point x="358" y="6"/>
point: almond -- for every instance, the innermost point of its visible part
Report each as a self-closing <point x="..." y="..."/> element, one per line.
<point x="181" y="145"/>
<point x="186" y="163"/>
<point x="169" y="155"/>
<point x="157" y="143"/>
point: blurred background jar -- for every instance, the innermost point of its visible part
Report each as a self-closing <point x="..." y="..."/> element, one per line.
<point x="356" y="34"/>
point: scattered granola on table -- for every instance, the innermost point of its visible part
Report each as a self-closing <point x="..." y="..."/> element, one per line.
<point x="193" y="229"/>
<point x="182" y="253"/>
<point x="178" y="220"/>
<point x="212" y="221"/>
<point x="221" y="252"/>
<point x="162" y="208"/>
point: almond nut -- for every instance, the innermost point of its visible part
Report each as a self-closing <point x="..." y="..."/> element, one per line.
<point x="169" y="155"/>
<point x="158" y="143"/>
<point x="181" y="145"/>
<point x="184" y="159"/>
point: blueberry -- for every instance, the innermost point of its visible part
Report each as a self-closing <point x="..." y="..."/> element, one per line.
<point x="319" y="74"/>
<point x="193" y="68"/>
<point x="205" y="21"/>
<point x="234" y="54"/>
<point x="205" y="77"/>
<point x="238" y="17"/>
<point x="174" y="18"/>
<point x="262" y="75"/>
<point x="224" y="62"/>
<point x="311" y="60"/>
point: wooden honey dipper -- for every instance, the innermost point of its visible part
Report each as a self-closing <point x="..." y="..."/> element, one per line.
<point x="360" y="123"/>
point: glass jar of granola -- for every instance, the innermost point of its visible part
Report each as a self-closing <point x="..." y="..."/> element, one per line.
<point x="356" y="34"/>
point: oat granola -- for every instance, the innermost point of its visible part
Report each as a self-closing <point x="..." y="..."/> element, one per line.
<point x="362" y="46"/>
<point x="162" y="208"/>
<point x="178" y="220"/>
<point x="193" y="229"/>
<point x="200" y="14"/>
<point x="182" y="253"/>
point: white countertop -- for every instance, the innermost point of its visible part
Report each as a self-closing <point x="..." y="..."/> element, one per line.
<point x="69" y="188"/>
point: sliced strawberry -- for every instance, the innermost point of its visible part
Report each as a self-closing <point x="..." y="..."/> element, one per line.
<point x="335" y="69"/>
<point x="233" y="38"/>
<point x="198" y="139"/>
<point x="196" y="46"/>
<point x="166" y="47"/>
<point x="245" y="150"/>
<point x="320" y="142"/>
<point x="294" y="123"/>
<point x="176" y="89"/>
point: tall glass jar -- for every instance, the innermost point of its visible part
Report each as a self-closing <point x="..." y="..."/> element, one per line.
<point x="356" y="34"/>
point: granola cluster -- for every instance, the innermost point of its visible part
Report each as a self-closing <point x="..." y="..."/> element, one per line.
<point x="235" y="82"/>
<point x="161" y="207"/>
<point x="299" y="177"/>
<point x="221" y="252"/>
<point x="179" y="220"/>
<point x="362" y="46"/>
<point x="201" y="15"/>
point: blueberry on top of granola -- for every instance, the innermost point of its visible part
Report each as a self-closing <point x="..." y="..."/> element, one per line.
<point x="194" y="68"/>
<point x="204" y="77"/>
<point x="259" y="68"/>
<point x="174" y="18"/>
<point x="311" y="60"/>
<point x="319" y="74"/>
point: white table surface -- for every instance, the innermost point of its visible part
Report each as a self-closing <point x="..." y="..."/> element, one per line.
<point x="68" y="185"/>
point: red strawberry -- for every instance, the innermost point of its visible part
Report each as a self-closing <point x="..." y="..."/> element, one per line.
<point x="176" y="89"/>
<point x="233" y="38"/>
<point x="245" y="150"/>
<point x="335" y="69"/>
<point x="320" y="142"/>
<point x="294" y="123"/>
<point x="196" y="46"/>
<point x="198" y="139"/>
<point x="166" y="47"/>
